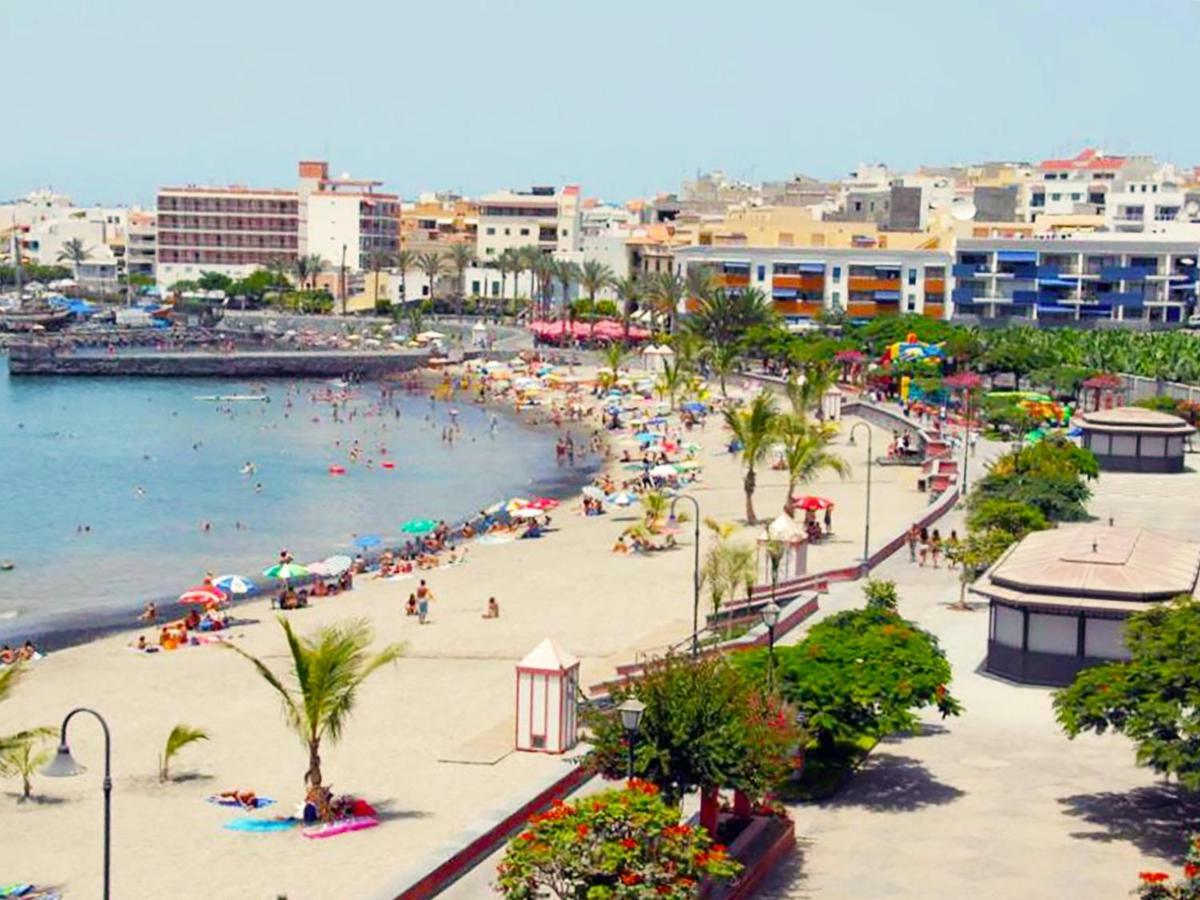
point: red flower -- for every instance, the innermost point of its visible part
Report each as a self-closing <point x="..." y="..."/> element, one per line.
<point x="629" y="843"/>
<point x="527" y="835"/>
<point x="1191" y="870"/>
<point x="582" y="830"/>
<point x="1153" y="877"/>
<point x="630" y="878"/>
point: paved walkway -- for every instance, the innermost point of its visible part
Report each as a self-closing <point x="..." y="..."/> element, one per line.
<point x="996" y="803"/>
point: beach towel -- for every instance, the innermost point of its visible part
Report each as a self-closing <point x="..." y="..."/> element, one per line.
<point x="261" y="825"/>
<point x="259" y="802"/>
<point x="15" y="890"/>
<point x="356" y="823"/>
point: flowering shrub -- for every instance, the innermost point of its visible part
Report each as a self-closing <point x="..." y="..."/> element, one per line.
<point x="1159" y="886"/>
<point x="612" y="845"/>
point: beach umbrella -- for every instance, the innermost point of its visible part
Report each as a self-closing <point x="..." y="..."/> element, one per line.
<point x="542" y="503"/>
<point x="622" y="499"/>
<point x="664" y="471"/>
<point x="235" y="585"/>
<point x="418" y="526"/>
<point x="647" y="437"/>
<point x="516" y="503"/>
<point x="809" y="502"/>
<point x="687" y="465"/>
<point x="203" y="594"/>
<point x="693" y="406"/>
<point x="366" y="541"/>
<point x="527" y="512"/>
<point x="336" y="565"/>
<point x="594" y="493"/>
<point x="284" y="571"/>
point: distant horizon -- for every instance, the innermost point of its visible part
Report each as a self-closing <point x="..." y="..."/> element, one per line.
<point x="116" y="100"/>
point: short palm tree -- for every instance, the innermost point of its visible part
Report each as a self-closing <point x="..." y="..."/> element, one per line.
<point x="75" y="253"/>
<point x="432" y="265"/>
<point x="327" y="671"/>
<point x="723" y="361"/>
<point x="181" y="735"/>
<point x="804" y="391"/>
<point x="300" y="267"/>
<point x="672" y="379"/>
<point x="806" y="454"/>
<point x="595" y="276"/>
<point x="754" y="429"/>
<point x="13" y="743"/>
<point x="666" y="292"/>
<point x="462" y="257"/>
<point x="279" y="267"/>
<point x="377" y="260"/>
<point x="629" y="292"/>
<point x="22" y="759"/>
<point x="614" y="355"/>
<point x="404" y="260"/>
<point x="656" y="506"/>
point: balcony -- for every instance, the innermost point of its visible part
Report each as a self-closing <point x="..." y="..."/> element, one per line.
<point x="735" y="279"/>
<point x="935" y="286"/>
<point x="862" y="283"/>
<point x="799" y="282"/>
<point x="1124" y="273"/>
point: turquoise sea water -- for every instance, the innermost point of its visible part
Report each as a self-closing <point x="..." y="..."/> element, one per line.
<point x="143" y="464"/>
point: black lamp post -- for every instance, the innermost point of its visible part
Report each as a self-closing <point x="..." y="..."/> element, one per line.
<point x="695" y="570"/>
<point x="870" y="460"/>
<point x="631" y="720"/>
<point x="64" y="765"/>
<point x="770" y="617"/>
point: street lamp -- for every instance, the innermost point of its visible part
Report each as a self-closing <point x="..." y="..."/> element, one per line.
<point x="870" y="460"/>
<point x="695" y="570"/>
<point x="64" y="765"/>
<point x="631" y="720"/>
<point x="770" y="617"/>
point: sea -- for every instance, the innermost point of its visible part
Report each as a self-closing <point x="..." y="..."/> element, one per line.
<point x="115" y="491"/>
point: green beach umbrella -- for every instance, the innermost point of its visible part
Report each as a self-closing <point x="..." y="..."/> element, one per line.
<point x="284" y="571"/>
<point x="418" y="526"/>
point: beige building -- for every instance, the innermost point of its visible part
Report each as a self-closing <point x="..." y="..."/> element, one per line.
<point x="542" y="217"/>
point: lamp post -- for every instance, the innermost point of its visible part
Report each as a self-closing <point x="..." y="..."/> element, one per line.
<point x="64" y="765"/>
<point x="870" y="460"/>
<point x="631" y="720"/>
<point x="770" y="617"/>
<point x="695" y="570"/>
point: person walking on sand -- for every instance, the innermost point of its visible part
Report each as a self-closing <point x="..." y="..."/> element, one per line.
<point x="935" y="547"/>
<point x="923" y="539"/>
<point x="914" y="535"/>
<point x="424" y="595"/>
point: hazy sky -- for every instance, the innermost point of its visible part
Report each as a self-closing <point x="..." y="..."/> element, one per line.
<point x="107" y="99"/>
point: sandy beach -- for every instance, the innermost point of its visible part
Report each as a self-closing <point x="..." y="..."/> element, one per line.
<point x="429" y="745"/>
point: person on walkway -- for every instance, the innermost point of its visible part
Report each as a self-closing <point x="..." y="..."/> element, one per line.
<point x="923" y="540"/>
<point x="914" y="535"/>
<point x="935" y="547"/>
<point x="493" y="609"/>
<point x="424" y="595"/>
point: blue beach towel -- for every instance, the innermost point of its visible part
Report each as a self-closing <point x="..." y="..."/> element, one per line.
<point x="248" y="824"/>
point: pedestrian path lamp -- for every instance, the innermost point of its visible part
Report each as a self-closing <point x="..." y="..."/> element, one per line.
<point x="867" y="522"/>
<point x="770" y="617"/>
<point x="631" y="720"/>
<point x="64" y="765"/>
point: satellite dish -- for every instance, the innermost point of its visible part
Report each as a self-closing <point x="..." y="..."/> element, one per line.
<point x="962" y="209"/>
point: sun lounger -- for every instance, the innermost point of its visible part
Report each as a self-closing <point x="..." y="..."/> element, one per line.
<point x="341" y="826"/>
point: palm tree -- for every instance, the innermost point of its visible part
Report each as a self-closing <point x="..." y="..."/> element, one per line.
<point x="672" y="379"/>
<point x="462" y="257"/>
<point x="595" y="276"/>
<point x="74" y="252"/>
<point x="531" y="257"/>
<point x="754" y="428"/>
<point x="405" y="260"/>
<point x="507" y="262"/>
<point x="279" y="266"/>
<point x="666" y="292"/>
<point x="723" y="360"/>
<point x="701" y="282"/>
<point x="9" y="677"/>
<point x="614" y="354"/>
<point x="804" y="391"/>
<point x="656" y="506"/>
<point x="433" y="265"/>
<point x="629" y="292"/>
<point x="307" y="268"/>
<point x="327" y="671"/>
<point x="23" y="759"/>
<point x="567" y="274"/>
<point x="806" y="454"/>
<point x="722" y="316"/>
<point x="376" y="261"/>
<point x="181" y="735"/>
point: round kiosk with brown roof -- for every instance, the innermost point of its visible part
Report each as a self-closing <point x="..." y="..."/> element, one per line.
<point x="1059" y="598"/>
<point x="1133" y="439"/>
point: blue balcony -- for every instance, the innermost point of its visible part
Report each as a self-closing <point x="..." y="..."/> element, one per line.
<point x="1048" y="272"/>
<point x="967" y="270"/>
<point x="1025" y="297"/>
<point x="1122" y="298"/>
<point x="887" y="296"/>
<point x="1124" y="273"/>
<point x="964" y="296"/>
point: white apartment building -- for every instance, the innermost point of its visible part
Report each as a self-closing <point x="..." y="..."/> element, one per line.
<point x="549" y="219"/>
<point x="345" y="219"/>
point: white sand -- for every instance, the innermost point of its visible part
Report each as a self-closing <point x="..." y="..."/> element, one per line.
<point x="450" y="697"/>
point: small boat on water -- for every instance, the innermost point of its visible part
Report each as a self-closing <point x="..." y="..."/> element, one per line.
<point x="234" y="398"/>
<point x="33" y="319"/>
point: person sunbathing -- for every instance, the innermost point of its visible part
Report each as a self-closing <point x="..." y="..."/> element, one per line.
<point x="493" y="609"/>
<point x="245" y="799"/>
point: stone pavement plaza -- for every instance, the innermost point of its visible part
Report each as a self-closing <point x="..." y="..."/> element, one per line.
<point x="997" y="803"/>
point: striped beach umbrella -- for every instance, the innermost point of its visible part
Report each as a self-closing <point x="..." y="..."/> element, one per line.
<point x="235" y="585"/>
<point x="203" y="594"/>
<point x="284" y="571"/>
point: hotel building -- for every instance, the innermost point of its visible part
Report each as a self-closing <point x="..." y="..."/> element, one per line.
<point x="803" y="282"/>
<point x="542" y="217"/>
<point x="236" y="230"/>
<point x="1060" y="280"/>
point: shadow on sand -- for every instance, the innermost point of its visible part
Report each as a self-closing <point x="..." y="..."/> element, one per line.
<point x="889" y="782"/>
<point x="1156" y="819"/>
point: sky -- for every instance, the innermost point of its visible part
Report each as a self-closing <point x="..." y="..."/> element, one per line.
<point x="108" y="99"/>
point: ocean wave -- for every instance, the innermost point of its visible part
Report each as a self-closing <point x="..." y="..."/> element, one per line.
<point x="9" y="614"/>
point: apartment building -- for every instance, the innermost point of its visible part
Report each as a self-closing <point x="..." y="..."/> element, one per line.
<point x="1065" y="279"/>
<point x="141" y="244"/>
<point x="434" y="222"/>
<point x="236" y="230"/>
<point x="541" y="216"/>
<point x="803" y="282"/>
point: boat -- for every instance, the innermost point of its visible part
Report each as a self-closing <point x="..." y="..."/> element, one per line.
<point x="42" y="318"/>
<point x="233" y="398"/>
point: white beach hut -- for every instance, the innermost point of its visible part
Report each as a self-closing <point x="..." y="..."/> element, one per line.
<point x="831" y="404"/>
<point x="787" y="534"/>
<point x="547" y="687"/>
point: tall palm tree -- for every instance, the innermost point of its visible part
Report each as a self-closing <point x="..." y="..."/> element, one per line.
<point x="327" y="671"/>
<point x="530" y="257"/>
<point x="74" y="252"/>
<point x="316" y="265"/>
<point x="805" y="390"/>
<point x="567" y="274"/>
<point x="544" y="273"/>
<point x="433" y="265"/>
<point x="279" y="267"/>
<point x="378" y="260"/>
<point x="629" y="292"/>
<point x="595" y="276"/>
<point x="666" y="292"/>
<point x="723" y="361"/>
<point x="754" y="429"/>
<point x="404" y="260"/>
<point x="672" y="379"/>
<point x="722" y="316"/>
<point x="300" y="267"/>
<point x="507" y="262"/>
<point x="462" y="257"/>
<point x="701" y="282"/>
<point x="806" y="454"/>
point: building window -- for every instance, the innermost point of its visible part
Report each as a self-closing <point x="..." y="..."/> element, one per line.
<point x="837" y="274"/>
<point x="836" y="297"/>
<point x="489" y="250"/>
<point x="507" y="231"/>
<point x="912" y="302"/>
<point x="491" y="231"/>
<point x="1038" y="199"/>
<point x="912" y="277"/>
<point x="564" y="232"/>
<point x="762" y="273"/>
<point x="475" y="287"/>
<point x="1076" y="196"/>
<point x="524" y="232"/>
<point x="1056" y="196"/>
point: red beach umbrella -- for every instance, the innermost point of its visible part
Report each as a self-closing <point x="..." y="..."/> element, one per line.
<point x="203" y="594"/>
<point x="808" y="502"/>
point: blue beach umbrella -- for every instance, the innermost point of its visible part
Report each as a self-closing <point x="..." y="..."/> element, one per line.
<point x="693" y="406"/>
<point x="235" y="585"/>
<point x="366" y="541"/>
<point x="647" y="437"/>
